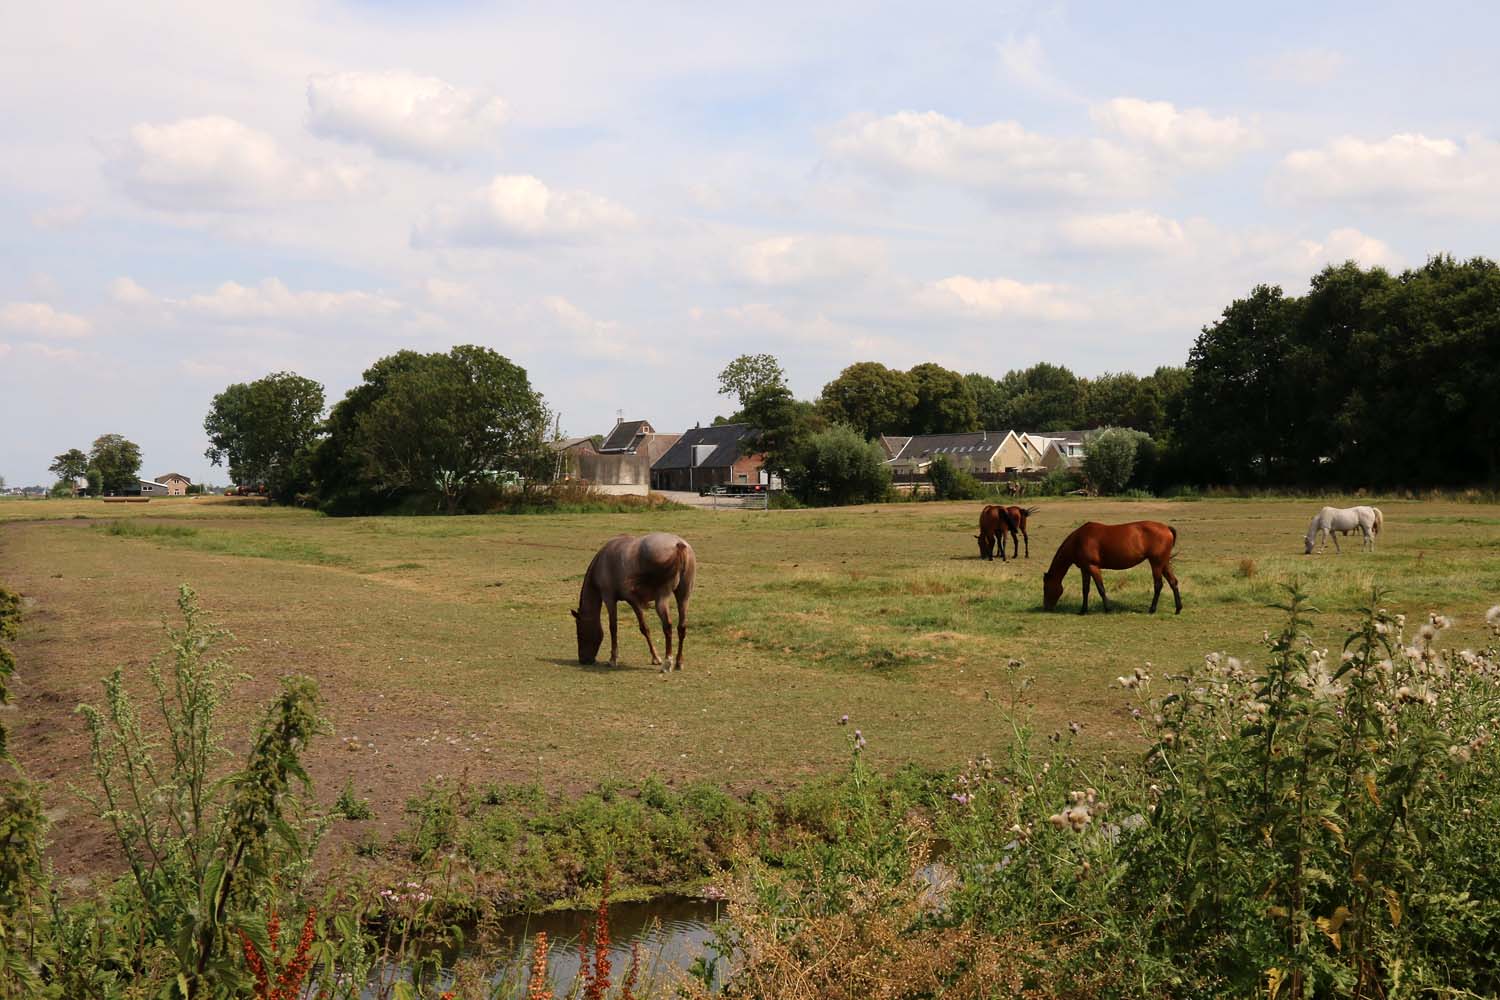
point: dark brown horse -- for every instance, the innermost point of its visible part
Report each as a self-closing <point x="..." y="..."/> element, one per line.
<point x="1093" y="547"/>
<point x="1018" y="516"/>
<point x="638" y="571"/>
<point x="994" y="522"/>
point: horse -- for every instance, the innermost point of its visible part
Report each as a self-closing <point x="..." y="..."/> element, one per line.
<point x="994" y="522"/>
<point x="1344" y="520"/>
<point x="1093" y="547"/>
<point x="638" y="571"/>
<point x="1018" y="516"/>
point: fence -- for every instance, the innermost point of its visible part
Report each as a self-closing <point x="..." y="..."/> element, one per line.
<point x="741" y="501"/>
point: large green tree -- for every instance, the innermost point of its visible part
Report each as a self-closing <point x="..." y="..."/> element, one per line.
<point x="1044" y="397"/>
<point x="265" y="432"/>
<point x="839" y="466"/>
<point x="945" y="403"/>
<point x="118" y="462"/>
<point x="781" y="424"/>
<point x="749" y="374"/>
<point x="991" y="400"/>
<point x="443" y="424"/>
<point x="69" y="467"/>
<point x="870" y="398"/>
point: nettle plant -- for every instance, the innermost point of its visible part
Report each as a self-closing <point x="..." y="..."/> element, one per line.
<point x="1321" y="826"/>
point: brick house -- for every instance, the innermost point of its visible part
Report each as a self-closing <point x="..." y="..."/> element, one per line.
<point x="176" y="483"/>
<point x="705" y="457"/>
<point x="976" y="452"/>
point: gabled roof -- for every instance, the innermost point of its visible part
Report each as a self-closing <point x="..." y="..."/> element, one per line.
<point x="624" y="434"/>
<point x="563" y="444"/>
<point x="925" y="447"/>
<point x="723" y="438"/>
<point x="892" y="445"/>
<point x="173" y="475"/>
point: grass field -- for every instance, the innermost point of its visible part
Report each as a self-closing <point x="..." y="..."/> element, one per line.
<point x="444" y="646"/>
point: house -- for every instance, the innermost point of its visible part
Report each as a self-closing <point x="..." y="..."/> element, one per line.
<point x="892" y="445"/>
<point x="705" y="457"/>
<point x="1059" y="449"/>
<point x="151" y="488"/>
<point x="176" y="483"/>
<point x="568" y="454"/>
<point x="977" y="452"/>
<point x="626" y="437"/>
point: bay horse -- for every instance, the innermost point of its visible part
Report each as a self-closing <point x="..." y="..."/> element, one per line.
<point x="1344" y="519"/>
<point x="1018" y="516"/>
<point x="994" y="522"/>
<point x="638" y="571"/>
<point x="1093" y="547"/>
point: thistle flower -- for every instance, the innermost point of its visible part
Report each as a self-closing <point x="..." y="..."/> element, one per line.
<point x="843" y="720"/>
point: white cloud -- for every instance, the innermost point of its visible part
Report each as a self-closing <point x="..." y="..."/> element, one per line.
<point x="519" y="209"/>
<point x="808" y="259"/>
<point x="49" y="353"/>
<point x="1191" y="137"/>
<point x="1002" y="297"/>
<point x="41" y="320"/>
<point x="203" y="369"/>
<point x="998" y="156"/>
<point x="5" y="350"/>
<point x="1437" y="175"/>
<point x="1135" y="230"/>
<point x="215" y="163"/>
<point x="404" y="114"/>
<point x="1307" y="67"/>
<point x="1024" y="60"/>
<point x="1347" y="244"/>
<point x="269" y="301"/>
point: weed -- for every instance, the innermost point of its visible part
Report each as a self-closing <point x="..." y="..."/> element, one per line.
<point x="350" y="806"/>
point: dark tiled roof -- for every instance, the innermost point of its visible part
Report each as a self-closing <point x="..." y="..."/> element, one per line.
<point x="173" y="475"/>
<point x="624" y="435"/>
<point x="930" y="445"/>
<point x="563" y="444"/>
<point x="725" y="439"/>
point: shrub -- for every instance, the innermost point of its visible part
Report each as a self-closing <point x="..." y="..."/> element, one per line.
<point x="837" y="466"/>
<point x="1110" y="458"/>
<point x="952" y="483"/>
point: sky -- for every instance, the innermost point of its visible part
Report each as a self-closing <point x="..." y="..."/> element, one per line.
<point x="621" y="198"/>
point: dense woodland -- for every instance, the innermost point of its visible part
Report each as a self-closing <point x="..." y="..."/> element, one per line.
<point x="1370" y="380"/>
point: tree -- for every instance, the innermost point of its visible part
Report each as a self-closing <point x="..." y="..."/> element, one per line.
<point x="871" y="398"/>
<point x="1043" y="397"/>
<point x="69" y="467"/>
<point x="445" y="423"/>
<point x="1110" y="457"/>
<point x="118" y="462"/>
<point x="265" y="431"/>
<point x="949" y="482"/>
<point x="781" y="425"/>
<point x="991" y="400"/>
<point x="839" y="466"/>
<point x="945" y="403"/>
<point x="748" y="374"/>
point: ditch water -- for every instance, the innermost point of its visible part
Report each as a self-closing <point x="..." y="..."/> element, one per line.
<point x="672" y="931"/>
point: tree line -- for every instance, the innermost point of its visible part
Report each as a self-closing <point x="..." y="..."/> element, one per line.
<point x="1369" y="380"/>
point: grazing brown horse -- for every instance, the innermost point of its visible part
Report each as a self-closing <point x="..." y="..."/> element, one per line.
<point x="994" y="522"/>
<point x="1093" y="547"/>
<point x="638" y="571"/>
<point x="1018" y="516"/>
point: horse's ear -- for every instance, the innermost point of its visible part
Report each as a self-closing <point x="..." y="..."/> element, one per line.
<point x="573" y="612"/>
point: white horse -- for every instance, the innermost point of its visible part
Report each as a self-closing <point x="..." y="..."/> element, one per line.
<point x="1344" y="520"/>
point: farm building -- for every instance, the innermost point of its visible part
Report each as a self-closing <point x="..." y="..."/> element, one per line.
<point x="977" y="452"/>
<point x="151" y="488"/>
<point x="1059" y="449"/>
<point x="623" y="460"/>
<point x="710" y="456"/>
<point x="176" y="483"/>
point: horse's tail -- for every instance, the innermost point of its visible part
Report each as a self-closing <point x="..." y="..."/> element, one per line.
<point x="1030" y="510"/>
<point x="682" y="550"/>
<point x="1007" y="520"/>
<point x="1173" y="553"/>
<point x="1379" y="520"/>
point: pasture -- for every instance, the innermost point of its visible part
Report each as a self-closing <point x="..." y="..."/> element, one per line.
<point x="444" y="647"/>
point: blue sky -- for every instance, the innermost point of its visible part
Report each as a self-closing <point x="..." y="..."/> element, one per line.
<point x="622" y="200"/>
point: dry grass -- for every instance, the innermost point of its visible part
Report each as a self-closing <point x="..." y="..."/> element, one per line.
<point x="445" y="647"/>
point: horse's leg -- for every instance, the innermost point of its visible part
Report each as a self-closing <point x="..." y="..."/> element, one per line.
<point x="1028" y="540"/>
<point x="614" y="634"/>
<point x="1083" y="572"/>
<point x="1098" y="576"/>
<point x="682" y="602"/>
<point x="1156" y="585"/>
<point x="1172" y="579"/>
<point x="1335" y="536"/>
<point x="640" y="619"/>
<point x="1015" y="545"/>
<point x="666" y="629"/>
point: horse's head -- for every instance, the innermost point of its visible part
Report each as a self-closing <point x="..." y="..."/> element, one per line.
<point x="590" y="636"/>
<point x="1052" y="587"/>
<point x="1307" y="546"/>
<point x="986" y="547"/>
